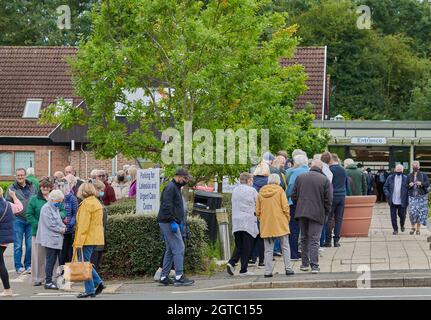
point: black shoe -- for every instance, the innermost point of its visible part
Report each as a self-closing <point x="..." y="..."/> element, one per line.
<point x="166" y="281"/>
<point x="230" y="269"/>
<point x="289" y="272"/>
<point x="403" y="229"/>
<point x="337" y="244"/>
<point x="100" y="288"/>
<point x="315" y="269"/>
<point x="252" y="261"/>
<point x="268" y="275"/>
<point x="327" y="245"/>
<point x="261" y="264"/>
<point x="86" y="295"/>
<point x="51" y="286"/>
<point x="395" y="233"/>
<point x="183" y="281"/>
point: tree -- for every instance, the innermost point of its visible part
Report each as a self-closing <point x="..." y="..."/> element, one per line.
<point x="420" y="107"/>
<point x="219" y="71"/>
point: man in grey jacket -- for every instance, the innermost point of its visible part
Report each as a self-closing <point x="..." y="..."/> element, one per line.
<point x="313" y="199"/>
<point x="24" y="190"/>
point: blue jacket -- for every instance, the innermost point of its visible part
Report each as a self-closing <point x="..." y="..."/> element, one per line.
<point x="259" y="182"/>
<point x="340" y="183"/>
<point x="389" y="186"/>
<point x="294" y="174"/>
<point x="6" y="223"/>
<point x="71" y="207"/>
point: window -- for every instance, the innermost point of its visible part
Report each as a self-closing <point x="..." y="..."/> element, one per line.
<point x="6" y="163"/>
<point x="32" y="108"/>
<point x="24" y="160"/>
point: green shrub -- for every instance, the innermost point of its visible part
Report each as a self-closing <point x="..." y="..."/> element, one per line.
<point x="134" y="246"/>
<point x="123" y="206"/>
<point x="5" y="184"/>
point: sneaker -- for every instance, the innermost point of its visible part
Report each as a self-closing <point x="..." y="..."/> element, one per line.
<point x="252" y="263"/>
<point x="315" y="269"/>
<point x="27" y="271"/>
<point x="277" y="254"/>
<point x="261" y="265"/>
<point x="51" y="286"/>
<point x="158" y="274"/>
<point x="245" y="274"/>
<point x="412" y="231"/>
<point x="327" y="245"/>
<point x="267" y="275"/>
<point x="20" y="270"/>
<point x="403" y="229"/>
<point x="100" y="288"/>
<point x="395" y="233"/>
<point x="289" y="272"/>
<point x="86" y="295"/>
<point x="337" y="244"/>
<point x="304" y="268"/>
<point x="166" y="281"/>
<point x="183" y="281"/>
<point x="295" y="259"/>
<point x="230" y="269"/>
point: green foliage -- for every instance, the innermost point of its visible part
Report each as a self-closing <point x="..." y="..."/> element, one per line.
<point x="5" y="184"/>
<point x="420" y="107"/>
<point x="122" y="207"/>
<point x="221" y="58"/>
<point x="134" y="247"/>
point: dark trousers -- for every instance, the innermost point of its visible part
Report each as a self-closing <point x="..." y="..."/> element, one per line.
<point x="96" y="259"/>
<point x="337" y="212"/>
<point x="67" y="250"/>
<point x="258" y="249"/>
<point x="51" y="258"/>
<point x="401" y="213"/>
<point x="310" y="234"/>
<point x="294" y="234"/>
<point x="380" y="194"/>
<point x="243" y="246"/>
<point x="4" y="275"/>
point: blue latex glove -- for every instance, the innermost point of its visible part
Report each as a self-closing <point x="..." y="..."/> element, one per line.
<point x="174" y="227"/>
<point x="182" y="228"/>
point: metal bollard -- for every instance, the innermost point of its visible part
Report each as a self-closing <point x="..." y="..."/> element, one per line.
<point x="223" y="227"/>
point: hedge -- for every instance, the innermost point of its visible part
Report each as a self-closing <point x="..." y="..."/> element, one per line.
<point x="134" y="246"/>
<point x="123" y="206"/>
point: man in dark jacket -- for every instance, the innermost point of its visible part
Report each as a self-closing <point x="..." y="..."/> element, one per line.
<point x="171" y="222"/>
<point x="24" y="190"/>
<point x="339" y="185"/>
<point x="396" y="193"/>
<point x="313" y="199"/>
<point x="381" y="177"/>
<point x="358" y="182"/>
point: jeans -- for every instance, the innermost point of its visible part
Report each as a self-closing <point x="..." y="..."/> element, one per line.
<point x="337" y="212"/>
<point x="67" y="251"/>
<point x="402" y="212"/>
<point x="277" y="246"/>
<point x="174" y="253"/>
<point x="52" y="255"/>
<point x="90" y="284"/>
<point x="269" y="248"/>
<point x="310" y="233"/>
<point x="21" y="229"/>
<point x="294" y="234"/>
<point x="243" y="245"/>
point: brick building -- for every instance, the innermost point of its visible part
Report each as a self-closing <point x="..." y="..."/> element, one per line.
<point x="31" y="78"/>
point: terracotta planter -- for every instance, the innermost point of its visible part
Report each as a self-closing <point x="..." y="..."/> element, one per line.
<point x="358" y="212"/>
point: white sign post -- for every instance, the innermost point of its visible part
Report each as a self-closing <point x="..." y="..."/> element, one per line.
<point x="148" y="191"/>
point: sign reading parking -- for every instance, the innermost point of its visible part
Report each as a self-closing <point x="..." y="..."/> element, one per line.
<point x="148" y="191"/>
<point x="367" y="140"/>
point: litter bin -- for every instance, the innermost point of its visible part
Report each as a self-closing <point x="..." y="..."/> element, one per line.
<point x="205" y="205"/>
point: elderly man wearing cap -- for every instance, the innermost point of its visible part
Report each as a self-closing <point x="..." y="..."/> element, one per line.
<point x="170" y="218"/>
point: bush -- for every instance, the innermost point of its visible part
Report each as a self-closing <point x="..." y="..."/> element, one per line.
<point x="123" y="206"/>
<point x="134" y="246"/>
<point x="5" y="184"/>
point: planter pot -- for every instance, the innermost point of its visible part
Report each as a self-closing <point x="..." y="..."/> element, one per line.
<point x="358" y="211"/>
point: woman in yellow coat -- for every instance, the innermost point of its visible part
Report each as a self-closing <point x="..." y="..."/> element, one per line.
<point x="272" y="210"/>
<point x="89" y="233"/>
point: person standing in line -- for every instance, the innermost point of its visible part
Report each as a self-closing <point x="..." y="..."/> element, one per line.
<point x="50" y="234"/>
<point x="109" y="193"/>
<point x="7" y="212"/>
<point x="295" y="153"/>
<point x="38" y="252"/>
<point x="312" y="195"/>
<point x="381" y="177"/>
<point x="301" y="166"/>
<point x="418" y="184"/>
<point x="121" y="186"/>
<point x="272" y="210"/>
<point x="170" y="219"/>
<point x="71" y="207"/>
<point x="58" y="175"/>
<point x="396" y="193"/>
<point x="132" y="174"/>
<point x="24" y="190"/>
<point x="32" y="178"/>
<point x="96" y="257"/>
<point x="339" y="189"/>
<point x="70" y="170"/>
<point x="370" y="182"/>
<point x="358" y="183"/>
<point x="88" y="234"/>
<point x="244" y="223"/>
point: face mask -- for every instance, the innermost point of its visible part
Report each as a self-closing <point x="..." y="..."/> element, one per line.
<point x="415" y="169"/>
<point x="101" y="194"/>
<point x="129" y="178"/>
<point x="183" y="183"/>
<point x="57" y="205"/>
<point x="120" y="178"/>
<point x="398" y="173"/>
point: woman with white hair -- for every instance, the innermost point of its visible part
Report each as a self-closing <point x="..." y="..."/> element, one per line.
<point x="418" y="184"/>
<point x="272" y="210"/>
<point x="50" y="234"/>
<point x="132" y="173"/>
<point x="301" y="166"/>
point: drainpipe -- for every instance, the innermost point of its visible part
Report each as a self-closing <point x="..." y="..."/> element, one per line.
<point x="86" y="161"/>
<point x="412" y="156"/>
<point x="49" y="162"/>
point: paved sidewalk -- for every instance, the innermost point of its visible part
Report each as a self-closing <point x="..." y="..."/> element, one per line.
<point x="379" y="251"/>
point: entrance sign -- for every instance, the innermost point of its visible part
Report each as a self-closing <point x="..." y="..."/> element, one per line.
<point x="367" y="140"/>
<point x="148" y="191"/>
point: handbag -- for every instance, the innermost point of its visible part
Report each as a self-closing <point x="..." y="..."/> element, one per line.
<point x="78" y="270"/>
